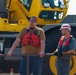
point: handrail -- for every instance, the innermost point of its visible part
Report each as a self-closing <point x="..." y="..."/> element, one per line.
<point x="20" y="55"/>
<point x="27" y="55"/>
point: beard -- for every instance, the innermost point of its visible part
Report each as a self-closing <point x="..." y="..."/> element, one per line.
<point x="62" y="34"/>
<point x="31" y="27"/>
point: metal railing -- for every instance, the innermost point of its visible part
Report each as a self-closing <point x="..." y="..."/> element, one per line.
<point x="20" y="55"/>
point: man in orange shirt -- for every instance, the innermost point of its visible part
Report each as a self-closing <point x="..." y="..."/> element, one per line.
<point x="33" y="42"/>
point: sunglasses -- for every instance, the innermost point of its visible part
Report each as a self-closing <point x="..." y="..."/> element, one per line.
<point x="32" y="21"/>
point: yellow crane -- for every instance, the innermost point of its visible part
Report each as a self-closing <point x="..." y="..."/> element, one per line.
<point x="19" y="12"/>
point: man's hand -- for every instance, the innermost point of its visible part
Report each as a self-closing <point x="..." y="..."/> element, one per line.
<point x="16" y="42"/>
<point x="41" y="54"/>
<point x="58" y="53"/>
<point x="63" y="53"/>
<point x="10" y="52"/>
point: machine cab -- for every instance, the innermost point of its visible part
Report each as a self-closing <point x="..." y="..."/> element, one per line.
<point x="47" y="11"/>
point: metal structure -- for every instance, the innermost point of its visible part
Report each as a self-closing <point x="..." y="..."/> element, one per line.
<point x="49" y="69"/>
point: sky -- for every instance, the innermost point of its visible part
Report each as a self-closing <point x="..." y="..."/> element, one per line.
<point x="72" y="8"/>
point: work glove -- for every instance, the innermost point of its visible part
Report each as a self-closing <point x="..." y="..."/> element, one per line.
<point x="58" y="53"/>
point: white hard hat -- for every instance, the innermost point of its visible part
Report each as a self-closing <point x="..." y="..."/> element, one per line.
<point x="65" y="26"/>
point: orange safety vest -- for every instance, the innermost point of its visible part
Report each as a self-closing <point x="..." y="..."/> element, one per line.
<point x="66" y="42"/>
<point x="31" y="39"/>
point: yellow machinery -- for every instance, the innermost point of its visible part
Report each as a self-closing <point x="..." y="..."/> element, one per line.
<point x="19" y="12"/>
<point x="15" y="15"/>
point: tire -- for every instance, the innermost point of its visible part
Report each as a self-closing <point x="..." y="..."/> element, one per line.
<point x="52" y="37"/>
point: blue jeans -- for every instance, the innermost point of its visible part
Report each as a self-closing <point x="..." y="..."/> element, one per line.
<point x="63" y="67"/>
<point x="35" y="65"/>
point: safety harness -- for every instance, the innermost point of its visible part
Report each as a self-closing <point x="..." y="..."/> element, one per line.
<point x="31" y="38"/>
<point x="66" y="42"/>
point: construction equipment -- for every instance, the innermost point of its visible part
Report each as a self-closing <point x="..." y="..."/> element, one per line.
<point x="15" y="15"/>
<point x="18" y="12"/>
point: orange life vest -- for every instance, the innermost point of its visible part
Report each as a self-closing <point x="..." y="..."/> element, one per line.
<point x="31" y="39"/>
<point x="66" y="42"/>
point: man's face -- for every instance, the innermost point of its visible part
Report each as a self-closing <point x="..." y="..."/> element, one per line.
<point x="33" y="22"/>
<point x="64" y="31"/>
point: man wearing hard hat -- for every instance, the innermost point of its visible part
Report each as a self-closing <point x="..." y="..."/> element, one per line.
<point x="66" y="46"/>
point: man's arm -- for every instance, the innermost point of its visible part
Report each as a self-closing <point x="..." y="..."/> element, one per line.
<point x="42" y="46"/>
<point x="42" y="38"/>
<point x="69" y="52"/>
<point x="42" y="52"/>
<point x="15" y="44"/>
